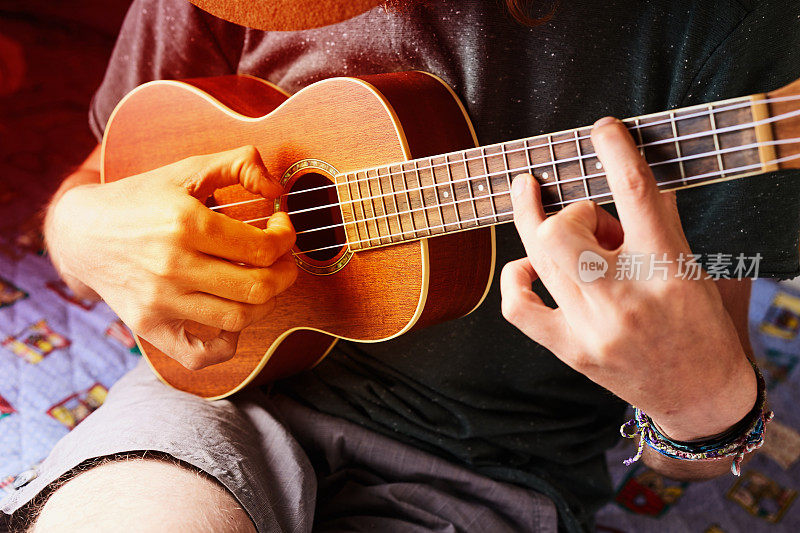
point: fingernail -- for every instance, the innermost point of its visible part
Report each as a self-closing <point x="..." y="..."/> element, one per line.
<point x="605" y="120"/>
<point x="519" y="185"/>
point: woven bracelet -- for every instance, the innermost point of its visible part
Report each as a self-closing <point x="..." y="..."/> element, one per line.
<point x="736" y="444"/>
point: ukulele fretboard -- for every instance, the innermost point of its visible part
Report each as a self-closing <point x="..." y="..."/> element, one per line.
<point x="463" y="190"/>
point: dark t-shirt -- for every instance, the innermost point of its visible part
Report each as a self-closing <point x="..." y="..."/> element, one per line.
<point x="475" y="390"/>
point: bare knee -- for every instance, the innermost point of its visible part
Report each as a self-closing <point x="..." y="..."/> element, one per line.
<point x="142" y="495"/>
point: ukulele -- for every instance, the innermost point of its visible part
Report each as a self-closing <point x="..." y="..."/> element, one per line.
<point x="393" y="200"/>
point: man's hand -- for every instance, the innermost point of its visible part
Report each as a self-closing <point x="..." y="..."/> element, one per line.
<point x="149" y="247"/>
<point x="666" y="346"/>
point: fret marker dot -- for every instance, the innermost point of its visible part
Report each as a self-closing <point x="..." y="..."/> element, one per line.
<point x="545" y="175"/>
<point x="446" y="194"/>
<point x="480" y="187"/>
<point x="598" y="165"/>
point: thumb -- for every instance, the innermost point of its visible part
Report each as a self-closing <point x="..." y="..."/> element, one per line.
<point x="524" y="308"/>
<point x="204" y="174"/>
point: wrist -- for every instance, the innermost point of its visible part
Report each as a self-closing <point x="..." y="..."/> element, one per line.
<point x="742" y="438"/>
<point x="716" y="409"/>
<point x="54" y="227"/>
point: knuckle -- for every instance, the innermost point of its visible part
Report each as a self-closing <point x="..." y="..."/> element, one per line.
<point x="282" y="282"/>
<point x="260" y="291"/>
<point x="511" y="307"/>
<point x="168" y="266"/>
<point x="201" y="224"/>
<point x="235" y="319"/>
<point x="582" y="212"/>
<point x="605" y="347"/>
<point x="624" y="320"/>
<point x="263" y="255"/>
<point x="633" y="179"/>
<point x="149" y="298"/>
<point x="225" y="351"/>
<point x="249" y="153"/>
<point x="579" y="207"/>
<point x="665" y="290"/>
<point x="506" y="278"/>
<point x="244" y="157"/>
<point x="289" y="235"/>
<point x="550" y="229"/>
<point x="193" y="161"/>
<point x="280" y="237"/>
<point x="181" y="222"/>
<point x="191" y="361"/>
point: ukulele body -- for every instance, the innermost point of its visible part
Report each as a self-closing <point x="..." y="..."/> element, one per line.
<point x="333" y="126"/>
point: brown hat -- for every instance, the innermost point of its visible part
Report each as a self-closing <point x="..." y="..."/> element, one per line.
<point x="285" y="15"/>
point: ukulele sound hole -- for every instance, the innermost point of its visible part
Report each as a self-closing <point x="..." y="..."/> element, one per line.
<point x="313" y="205"/>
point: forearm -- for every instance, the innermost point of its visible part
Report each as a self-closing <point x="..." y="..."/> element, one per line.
<point x="736" y="298"/>
<point x="87" y="174"/>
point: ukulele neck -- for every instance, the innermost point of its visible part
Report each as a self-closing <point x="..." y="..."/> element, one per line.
<point x="468" y="189"/>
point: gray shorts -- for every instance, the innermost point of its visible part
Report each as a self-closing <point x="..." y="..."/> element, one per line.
<point x="290" y="467"/>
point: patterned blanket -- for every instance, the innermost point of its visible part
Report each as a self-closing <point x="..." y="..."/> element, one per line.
<point x="764" y="497"/>
<point x="59" y="355"/>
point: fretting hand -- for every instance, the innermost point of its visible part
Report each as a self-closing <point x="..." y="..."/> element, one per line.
<point x="667" y="346"/>
<point x="149" y="247"/>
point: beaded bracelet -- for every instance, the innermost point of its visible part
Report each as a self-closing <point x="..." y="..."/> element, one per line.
<point x="743" y="438"/>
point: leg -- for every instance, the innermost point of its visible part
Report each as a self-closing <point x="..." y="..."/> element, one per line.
<point x="143" y="495"/>
<point x="232" y="455"/>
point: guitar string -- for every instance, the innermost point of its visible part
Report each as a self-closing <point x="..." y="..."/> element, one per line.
<point x="387" y="215"/>
<point x="715" y="132"/>
<point x="634" y="127"/>
<point x="709" y="174"/>
<point x="571" y="140"/>
<point x="710" y="113"/>
<point x="778" y="118"/>
<point x="714" y="153"/>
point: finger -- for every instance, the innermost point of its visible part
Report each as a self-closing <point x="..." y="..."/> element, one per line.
<point x="527" y="205"/>
<point x="524" y="309"/>
<point x="216" y="312"/>
<point x="528" y="218"/>
<point x="194" y="353"/>
<point x="240" y="166"/>
<point x="670" y="202"/>
<point x="609" y="231"/>
<point x="638" y="200"/>
<point x="228" y="238"/>
<point x="243" y="283"/>
<point x="570" y="239"/>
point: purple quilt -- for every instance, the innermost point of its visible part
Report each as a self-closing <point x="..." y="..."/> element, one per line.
<point x="59" y="355"/>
